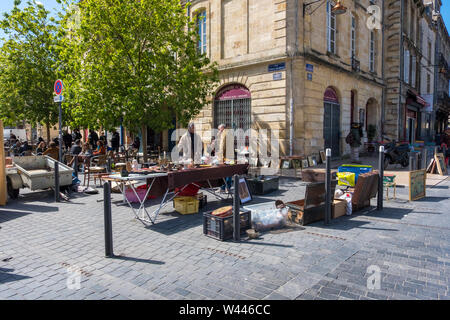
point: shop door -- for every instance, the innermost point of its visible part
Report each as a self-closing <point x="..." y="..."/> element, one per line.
<point x="411" y="130"/>
<point x="331" y="127"/>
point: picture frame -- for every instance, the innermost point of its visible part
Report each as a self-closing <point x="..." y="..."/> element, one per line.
<point x="323" y="156"/>
<point x="440" y="163"/>
<point x="305" y="163"/>
<point x="312" y="161"/>
<point x="244" y="192"/>
<point x="297" y="163"/>
<point x="417" y="185"/>
<point x="285" y="164"/>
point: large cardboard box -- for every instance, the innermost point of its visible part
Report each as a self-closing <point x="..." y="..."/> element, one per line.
<point x="339" y="208"/>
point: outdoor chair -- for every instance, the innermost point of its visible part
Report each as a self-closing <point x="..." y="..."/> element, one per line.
<point x="389" y="182"/>
<point x="96" y="170"/>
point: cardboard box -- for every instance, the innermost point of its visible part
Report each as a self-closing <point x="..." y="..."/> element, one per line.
<point x="339" y="208"/>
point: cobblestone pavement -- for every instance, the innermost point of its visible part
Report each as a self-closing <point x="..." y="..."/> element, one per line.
<point x="42" y="243"/>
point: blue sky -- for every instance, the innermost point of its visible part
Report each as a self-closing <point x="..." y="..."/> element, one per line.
<point x="7" y="5"/>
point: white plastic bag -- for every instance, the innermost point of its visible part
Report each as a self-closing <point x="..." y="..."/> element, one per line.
<point x="348" y="197"/>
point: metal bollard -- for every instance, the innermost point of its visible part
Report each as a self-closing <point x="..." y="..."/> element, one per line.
<point x="381" y="178"/>
<point x="108" y="220"/>
<point x="236" y="210"/>
<point x="424" y="158"/>
<point x="56" y="181"/>
<point x="328" y="195"/>
<point x="411" y="162"/>
<point x="416" y="161"/>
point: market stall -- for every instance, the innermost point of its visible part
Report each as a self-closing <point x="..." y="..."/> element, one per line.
<point x="168" y="185"/>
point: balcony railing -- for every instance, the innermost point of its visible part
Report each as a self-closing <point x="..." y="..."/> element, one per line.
<point x="355" y="64"/>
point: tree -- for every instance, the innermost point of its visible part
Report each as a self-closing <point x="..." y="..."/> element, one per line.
<point x="28" y="66"/>
<point x="135" y="61"/>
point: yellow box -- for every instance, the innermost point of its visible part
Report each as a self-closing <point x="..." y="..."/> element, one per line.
<point x="186" y="205"/>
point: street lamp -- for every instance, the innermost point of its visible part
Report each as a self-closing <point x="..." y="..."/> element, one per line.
<point x="338" y="8"/>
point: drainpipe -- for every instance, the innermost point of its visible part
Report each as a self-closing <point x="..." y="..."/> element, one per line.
<point x="291" y="101"/>
<point x="402" y="73"/>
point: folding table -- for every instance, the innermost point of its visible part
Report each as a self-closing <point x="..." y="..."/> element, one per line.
<point x="123" y="182"/>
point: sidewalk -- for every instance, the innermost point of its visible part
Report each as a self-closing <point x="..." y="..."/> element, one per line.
<point x="45" y="247"/>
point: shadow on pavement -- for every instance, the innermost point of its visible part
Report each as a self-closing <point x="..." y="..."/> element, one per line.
<point x="119" y="257"/>
<point x="7" y="215"/>
<point x="7" y="276"/>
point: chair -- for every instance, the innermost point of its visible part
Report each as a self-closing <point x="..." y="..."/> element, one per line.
<point x="389" y="182"/>
<point x="90" y="168"/>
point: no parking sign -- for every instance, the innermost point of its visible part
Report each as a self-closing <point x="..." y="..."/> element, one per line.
<point x="58" y="87"/>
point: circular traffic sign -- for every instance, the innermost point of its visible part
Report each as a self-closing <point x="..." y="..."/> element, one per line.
<point x="58" y="87"/>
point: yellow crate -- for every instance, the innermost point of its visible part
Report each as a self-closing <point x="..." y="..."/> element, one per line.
<point x="186" y="205"/>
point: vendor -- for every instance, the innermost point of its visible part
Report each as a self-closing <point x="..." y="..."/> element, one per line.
<point x="191" y="144"/>
<point x="354" y="140"/>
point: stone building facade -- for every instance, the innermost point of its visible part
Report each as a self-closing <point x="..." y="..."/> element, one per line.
<point x="405" y="107"/>
<point x="278" y="70"/>
<point x="442" y="72"/>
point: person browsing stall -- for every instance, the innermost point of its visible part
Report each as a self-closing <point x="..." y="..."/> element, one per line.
<point x="191" y="144"/>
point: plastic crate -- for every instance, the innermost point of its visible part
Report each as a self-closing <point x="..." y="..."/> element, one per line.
<point x="186" y="205"/>
<point x="356" y="169"/>
<point x="222" y="228"/>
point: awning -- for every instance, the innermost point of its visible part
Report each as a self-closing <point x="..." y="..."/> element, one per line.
<point x="420" y="100"/>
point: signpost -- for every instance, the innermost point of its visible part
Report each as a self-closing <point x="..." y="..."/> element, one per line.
<point x="58" y="88"/>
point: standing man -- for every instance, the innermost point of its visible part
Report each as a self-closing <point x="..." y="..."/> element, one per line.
<point x="354" y="140"/>
<point x="93" y="138"/>
<point x="67" y="139"/>
<point x="191" y="144"/>
<point x="115" y="141"/>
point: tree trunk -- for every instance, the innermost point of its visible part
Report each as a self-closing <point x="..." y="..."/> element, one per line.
<point x="144" y="142"/>
<point x="47" y="124"/>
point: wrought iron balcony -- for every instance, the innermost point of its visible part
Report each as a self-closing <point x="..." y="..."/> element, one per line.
<point x="355" y="64"/>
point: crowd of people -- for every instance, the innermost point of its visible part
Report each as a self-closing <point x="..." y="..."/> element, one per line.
<point x="71" y="143"/>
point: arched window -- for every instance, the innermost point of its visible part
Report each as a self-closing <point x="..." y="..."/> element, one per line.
<point x="201" y="30"/>
<point x="232" y="107"/>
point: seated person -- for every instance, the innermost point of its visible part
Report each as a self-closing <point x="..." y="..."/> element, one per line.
<point x="52" y="151"/>
<point x="40" y="148"/>
<point x="76" y="148"/>
<point x="101" y="150"/>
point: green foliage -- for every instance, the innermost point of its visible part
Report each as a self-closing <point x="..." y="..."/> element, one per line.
<point x="28" y="65"/>
<point x="133" y="60"/>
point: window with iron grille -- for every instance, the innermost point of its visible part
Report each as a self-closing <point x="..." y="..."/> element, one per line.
<point x="201" y="30"/>
<point x="232" y="107"/>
